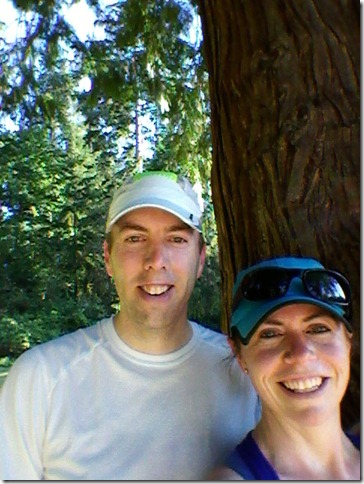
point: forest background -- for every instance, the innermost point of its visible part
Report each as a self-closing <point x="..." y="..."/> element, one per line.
<point x="78" y="116"/>
<point x="261" y="111"/>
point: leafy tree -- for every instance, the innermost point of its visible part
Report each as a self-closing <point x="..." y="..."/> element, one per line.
<point x="59" y="167"/>
<point x="284" y="94"/>
<point x="51" y="267"/>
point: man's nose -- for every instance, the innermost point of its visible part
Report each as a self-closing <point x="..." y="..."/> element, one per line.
<point x="155" y="257"/>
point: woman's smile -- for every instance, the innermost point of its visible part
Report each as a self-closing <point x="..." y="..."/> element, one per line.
<point x="306" y="385"/>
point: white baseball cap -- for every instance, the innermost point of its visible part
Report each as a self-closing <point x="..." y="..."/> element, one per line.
<point x="160" y="189"/>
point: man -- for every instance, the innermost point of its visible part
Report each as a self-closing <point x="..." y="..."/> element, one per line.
<point x="145" y="394"/>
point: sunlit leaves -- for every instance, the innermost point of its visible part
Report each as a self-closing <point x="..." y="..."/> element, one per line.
<point x="146" y="107"/>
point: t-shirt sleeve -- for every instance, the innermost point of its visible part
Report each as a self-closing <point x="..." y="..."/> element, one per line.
<point x="23" y="410"/>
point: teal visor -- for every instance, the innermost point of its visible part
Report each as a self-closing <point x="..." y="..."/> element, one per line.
<point x="271" y="284"/>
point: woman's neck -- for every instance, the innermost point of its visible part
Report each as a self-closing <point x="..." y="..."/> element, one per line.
<point x="301" y="452"/>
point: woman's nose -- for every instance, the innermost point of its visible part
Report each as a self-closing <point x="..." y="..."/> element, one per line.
<point x="298" y="347"/>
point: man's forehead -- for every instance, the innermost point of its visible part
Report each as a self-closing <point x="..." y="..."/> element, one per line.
<point x="149" y="217"/>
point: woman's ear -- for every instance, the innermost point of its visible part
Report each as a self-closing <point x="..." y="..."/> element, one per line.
<point x="236" y="349"/>
<point x="232" y="345"/>
<point x="352" y="342"/>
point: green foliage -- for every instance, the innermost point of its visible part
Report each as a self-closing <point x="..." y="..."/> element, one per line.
<point x="71" y="148"/>
<point x="45" y="322"/>
<point x="54" y="203"/>
<point x="14" y="337"/>
<point x="204" y="305"/>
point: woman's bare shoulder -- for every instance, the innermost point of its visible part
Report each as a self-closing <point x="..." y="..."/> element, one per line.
<point x="224" y="474"/>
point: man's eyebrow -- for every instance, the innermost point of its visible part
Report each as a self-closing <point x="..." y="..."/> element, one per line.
<point x="181" y="226"/>
<point x="125" y="225"/>
<point x="130" y="226"/>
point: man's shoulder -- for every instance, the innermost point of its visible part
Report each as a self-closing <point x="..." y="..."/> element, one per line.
<point x="212" y="336"/>
<point x="75" y="340"/>
<point x="63" y="349"/>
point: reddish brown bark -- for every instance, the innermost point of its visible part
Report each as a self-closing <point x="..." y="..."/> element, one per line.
<point x="284" y="87"/>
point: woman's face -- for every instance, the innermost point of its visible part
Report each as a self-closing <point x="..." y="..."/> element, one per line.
<point x="299" y="362"/>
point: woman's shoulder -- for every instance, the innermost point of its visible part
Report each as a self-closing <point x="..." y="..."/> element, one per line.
<point x="355" y="438"/>
<point x="224" y="474"/>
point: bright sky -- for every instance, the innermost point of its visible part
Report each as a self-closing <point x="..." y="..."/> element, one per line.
<point x="82" y="18"/>
<point x="79" y="16"/>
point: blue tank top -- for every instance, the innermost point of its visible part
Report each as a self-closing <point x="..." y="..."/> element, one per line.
<point x="249" y="462"/>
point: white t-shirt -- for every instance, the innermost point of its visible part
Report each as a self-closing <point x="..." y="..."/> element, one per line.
<point x="88" y="407"/>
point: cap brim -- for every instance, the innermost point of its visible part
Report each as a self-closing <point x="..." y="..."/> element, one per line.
<point x="158" y="192"/>
<point x="248" y="322"/>
<point x="154" y="204"/>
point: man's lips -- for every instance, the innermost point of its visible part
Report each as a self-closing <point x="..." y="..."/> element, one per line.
<point x="155" y="289"/>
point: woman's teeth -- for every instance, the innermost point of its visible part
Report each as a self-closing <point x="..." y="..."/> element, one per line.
<point x="302" y="386"/>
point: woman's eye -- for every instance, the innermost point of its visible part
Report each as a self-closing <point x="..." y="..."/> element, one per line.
<point x="319" y="329"/>
<point x="269" y="333"/>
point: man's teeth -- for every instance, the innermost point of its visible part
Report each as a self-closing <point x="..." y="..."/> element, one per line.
<point x="155" y="290"/>
<point x="301" y="386"/>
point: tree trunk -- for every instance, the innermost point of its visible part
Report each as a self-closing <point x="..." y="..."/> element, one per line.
<point x="285" y="91"/>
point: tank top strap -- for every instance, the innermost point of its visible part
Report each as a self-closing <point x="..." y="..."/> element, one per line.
<point x="249" y="462"/>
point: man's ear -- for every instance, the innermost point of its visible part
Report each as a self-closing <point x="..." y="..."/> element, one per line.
<point x="201" y="261"/>
<point x="107" y="258"/>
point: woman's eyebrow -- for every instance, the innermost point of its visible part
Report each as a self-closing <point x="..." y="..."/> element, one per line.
<point x="271" y="322"/>
<point x="318" y="314"/>
<point x="307" y="319"/>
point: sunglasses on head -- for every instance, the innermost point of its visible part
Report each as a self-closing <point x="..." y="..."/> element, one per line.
<point x="273" y="283"/>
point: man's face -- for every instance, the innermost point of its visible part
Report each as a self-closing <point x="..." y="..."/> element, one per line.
<point x="155" y="260"/>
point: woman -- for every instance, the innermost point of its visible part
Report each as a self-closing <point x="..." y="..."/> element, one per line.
<point x="291" y="332"/>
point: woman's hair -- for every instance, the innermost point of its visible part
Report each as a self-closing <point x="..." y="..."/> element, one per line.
<point x="236" y="339"/>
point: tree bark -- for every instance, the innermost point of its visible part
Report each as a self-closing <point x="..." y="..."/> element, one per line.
<point x="285" y="108"/>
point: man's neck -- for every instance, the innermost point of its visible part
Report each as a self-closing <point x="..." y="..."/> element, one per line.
<point x="154" y="341"/>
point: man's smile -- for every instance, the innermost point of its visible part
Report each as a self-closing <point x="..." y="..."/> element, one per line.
<point x="155" y="290"/>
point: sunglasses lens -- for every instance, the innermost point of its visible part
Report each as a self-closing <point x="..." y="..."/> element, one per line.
<point x="328" y="286"/>
<point x="265" y="284"/>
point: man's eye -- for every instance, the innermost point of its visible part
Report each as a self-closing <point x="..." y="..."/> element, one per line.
<point x="133" y="238"/>
<point x="178" y="240"/>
